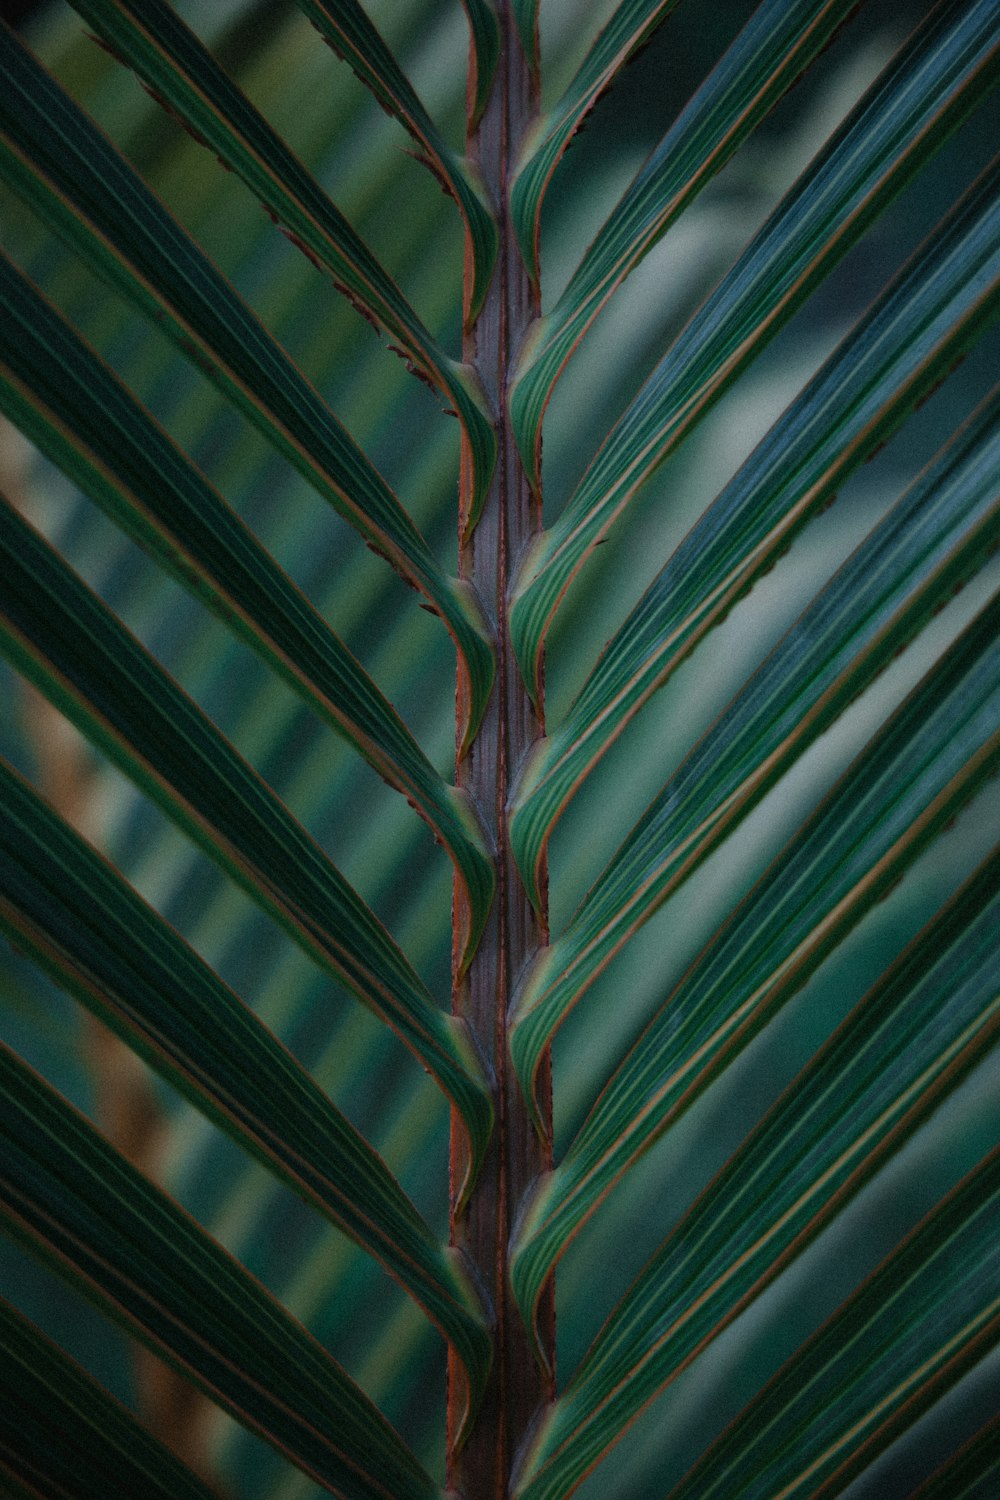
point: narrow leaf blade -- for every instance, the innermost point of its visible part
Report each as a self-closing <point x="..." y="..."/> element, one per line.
<point x="870" y="1372"/>
<point x="778" y="42"/>
<point x="631" y="25"/>
<point x="72" y="1199"/>
<point x="80" y="920"/>
<point x="485" y="53"/>
<point x="911" y="337"/>
<point x="935" y="751"/>
<point x="931" y="1018"/>
<point x="177" y="69"/>
<point x="972" y="1473"/>
<point x="71" y="404"/>
<point x="69" y="173"/>
<point x="745" y="743"/>
<point x="64" y="1437"/>
<point x="823" y="437"/>
<point x="348" y="30"/>
<point x="923" y="95"/>
<point x="525" y="14"/>
<point x="72" y="647"/>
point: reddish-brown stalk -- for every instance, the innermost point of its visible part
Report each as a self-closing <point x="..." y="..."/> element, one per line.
<point x="518" y="1387"/>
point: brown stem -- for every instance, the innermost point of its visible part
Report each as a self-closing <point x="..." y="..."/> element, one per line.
<point x="511" y="517"/>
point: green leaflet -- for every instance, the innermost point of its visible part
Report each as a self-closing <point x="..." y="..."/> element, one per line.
<point x="855" y="401"/>
<point x="74" y="1200"/>
<point x="182" y="74"/>
<point x="64" y="1437"/>
<point x="867" y="387"/>
<point x="72" y="647"/>
<point x="926" y="1315"/>
<point x="632" y="24"/>
<point x="778" y="43"/>
<point x="525" y="14"/>
<point x="76" y="410"/>
<point x="917" y="1034"/>
<point x="80" y="920"/>
<point x="902" y="348"/>
<point x="882" y="812"/>
<point x="347" y="29"/>
<point x="70" y="174"/>
<point x="484" y="52"/>
<point x="970" y="1474"/>
<point x="934" y="538"/>
<point x="924" y="94"/>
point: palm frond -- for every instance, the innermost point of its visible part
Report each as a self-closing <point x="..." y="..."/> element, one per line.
<point x="723" y="999"/>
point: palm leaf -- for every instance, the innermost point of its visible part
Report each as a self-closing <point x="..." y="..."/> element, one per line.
<point x="928" y="1022"/>
<point x="89" y="929"/>
<point x="629" y="27"/>
<point x="485" y="48"/>
<point x="910" y="338"/>
<point x="836" y="1399"/>
<point x="76" y="410"/>
<point x="178" y="70"/>
<point x="789" y="665"/>
<point x="351" y="34"/>
<point x="777" y="992"/>
<point x="971" y="1471"/>
<point x="74" y="649"/>
<point x="73" y="177"/>
<point x="137" y="1253"/>
<point x="885" y="139"/>
<point x="63" y="1435"/>
<point x="642" y="872"/>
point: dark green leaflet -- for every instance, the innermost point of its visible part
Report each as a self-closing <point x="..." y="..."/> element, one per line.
<point x="939" y="744"/>
<point x="348" y="30"/>
<point x="70" y="403"/>
<point x="929" y="1312"/>
<point x="81" y="921"/>
<point x="972" y="1473"/>
<point x="931" y="1018"/>
<point x="64" y="1437"/>
<point x="526" y="15"/>
<point x="485" y="50"/>
<point x="75" y="1201"/>
<point x="56" y="631"/>
<point x="896" y="798"/>
<point x="179" y="70"/>
<point x="629" y="27"/>
<point x="70" y="174"/>
<point x="779" y="41"/>
<point x="828" y="427"/>
<point x="924" y="94"/>
<point x="906" y="570"/>
<point x="907" y="342"/>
